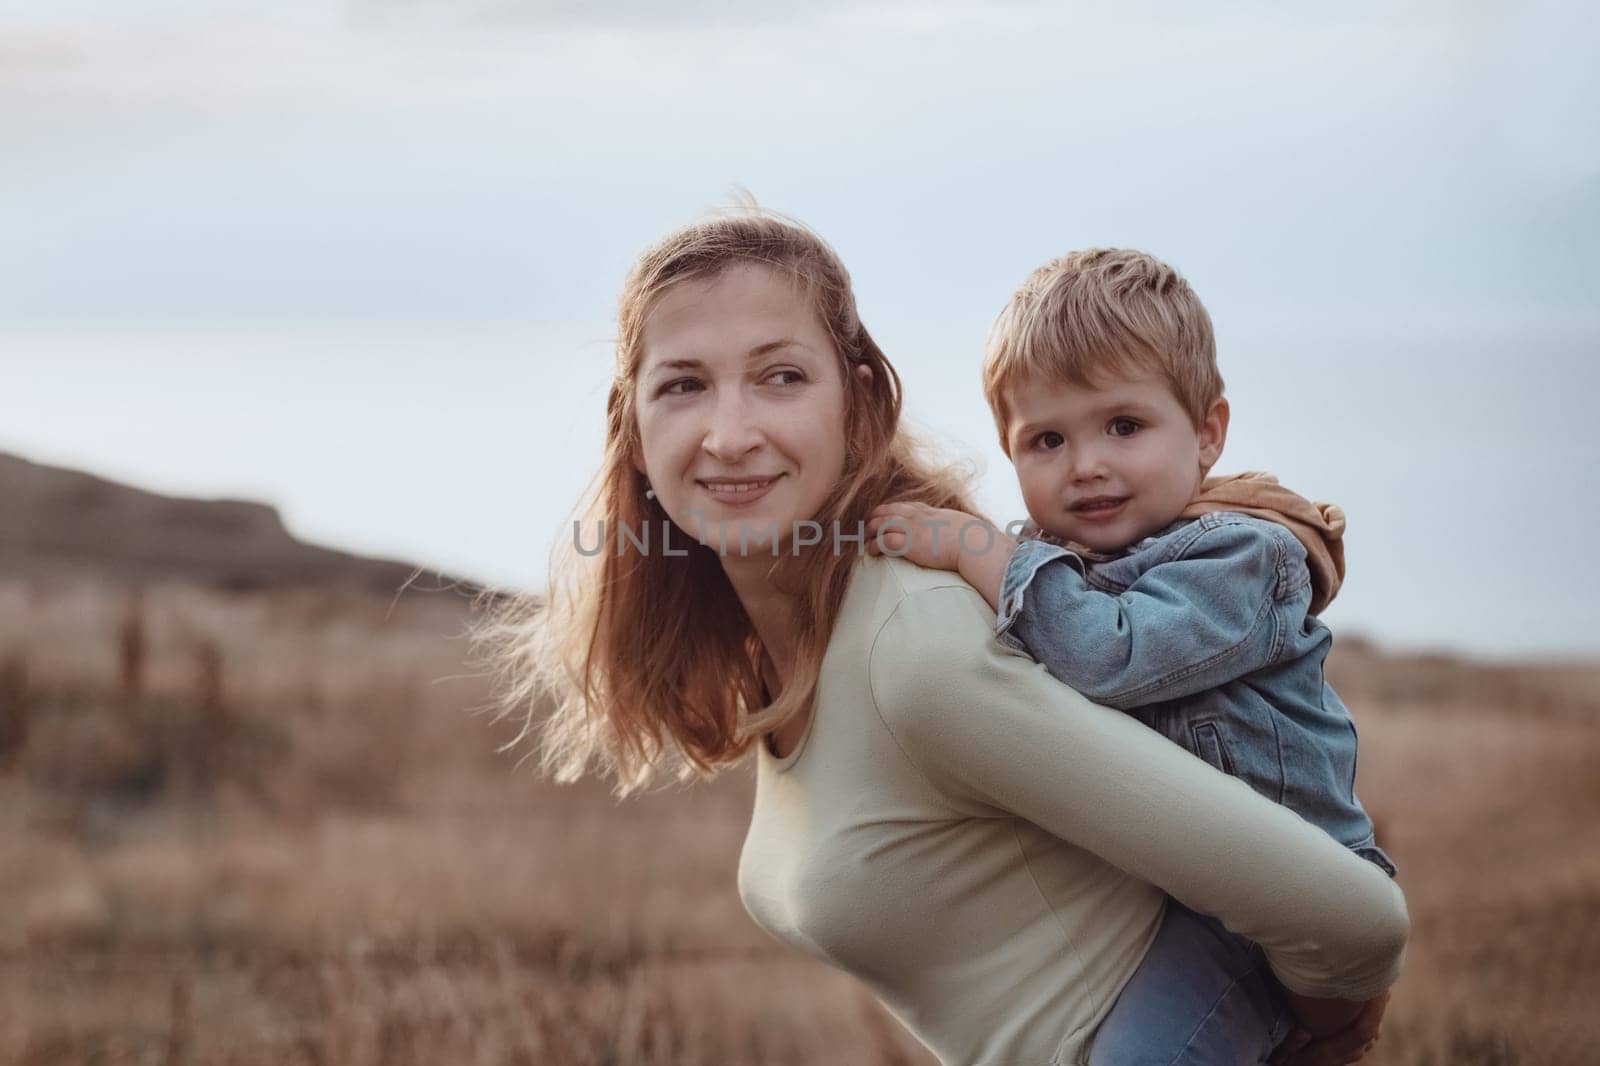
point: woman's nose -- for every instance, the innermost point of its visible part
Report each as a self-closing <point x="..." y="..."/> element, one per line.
<point x="733" y="429"/>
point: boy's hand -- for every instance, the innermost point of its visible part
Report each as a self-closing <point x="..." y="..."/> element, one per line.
<point x="933" y="537"/>
<point x="927" y="536"/>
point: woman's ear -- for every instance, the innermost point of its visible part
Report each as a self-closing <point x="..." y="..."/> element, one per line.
<point x="864" y="372"/>
<point x="1213" y="433"/>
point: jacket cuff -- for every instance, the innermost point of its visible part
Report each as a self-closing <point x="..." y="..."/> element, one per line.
<point x="1025" y="563"/>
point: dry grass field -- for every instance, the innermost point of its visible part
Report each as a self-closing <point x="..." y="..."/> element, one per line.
<point x="263" y="827"/>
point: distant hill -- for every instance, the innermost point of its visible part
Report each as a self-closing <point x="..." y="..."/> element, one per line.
<point x="60" y="523"/>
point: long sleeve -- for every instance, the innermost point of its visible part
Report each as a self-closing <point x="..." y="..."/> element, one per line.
<point x="991" y="729"/>
<point x="1213" y="613"/>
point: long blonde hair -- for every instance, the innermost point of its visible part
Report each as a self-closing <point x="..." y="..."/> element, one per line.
<point x="639" y="659"/>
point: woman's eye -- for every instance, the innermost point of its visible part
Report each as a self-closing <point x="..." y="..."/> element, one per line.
<point x="672" y="387"/>
<point x="1123" y="427"/>
<point x="796" y="375"/>
<point x="1049" y="440"/>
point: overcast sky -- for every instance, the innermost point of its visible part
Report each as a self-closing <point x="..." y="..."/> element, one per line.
<point x="359" y="260"/>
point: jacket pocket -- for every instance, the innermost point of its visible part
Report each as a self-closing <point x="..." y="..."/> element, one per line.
<point x="1206" y="737"/>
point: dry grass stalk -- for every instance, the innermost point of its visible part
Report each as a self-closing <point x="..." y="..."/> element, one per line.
<point x="263" y="829"/>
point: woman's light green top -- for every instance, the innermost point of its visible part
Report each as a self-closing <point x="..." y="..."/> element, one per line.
<point x="987" y="850"/>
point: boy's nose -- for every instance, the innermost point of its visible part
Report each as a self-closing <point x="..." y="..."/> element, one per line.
<point x="1086" y="465"/>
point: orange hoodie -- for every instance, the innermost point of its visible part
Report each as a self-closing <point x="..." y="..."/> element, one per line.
<point x="1317" y="526"/>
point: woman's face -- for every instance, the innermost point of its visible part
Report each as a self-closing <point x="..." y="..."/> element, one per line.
<point x="741" y="408"/>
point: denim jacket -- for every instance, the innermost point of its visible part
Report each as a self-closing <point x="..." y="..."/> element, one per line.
<point x="1202" y="632"/>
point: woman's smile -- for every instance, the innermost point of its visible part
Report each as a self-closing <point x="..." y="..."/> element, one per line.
<point x="741" y="493"/>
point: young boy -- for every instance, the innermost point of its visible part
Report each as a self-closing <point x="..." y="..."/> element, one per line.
<point x="1190" y="603"/>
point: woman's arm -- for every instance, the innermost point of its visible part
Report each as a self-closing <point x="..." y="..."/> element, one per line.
<point x="987" y="723"/>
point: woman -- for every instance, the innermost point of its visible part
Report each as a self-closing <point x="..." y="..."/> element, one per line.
<point x="981" y="846"/>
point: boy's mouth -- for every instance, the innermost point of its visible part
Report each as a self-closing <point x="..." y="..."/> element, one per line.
<point x="1099" y="506"/>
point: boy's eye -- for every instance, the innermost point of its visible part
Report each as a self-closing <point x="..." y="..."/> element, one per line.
<point x="1049" y="440"/>
<point x="1123" y="427"/>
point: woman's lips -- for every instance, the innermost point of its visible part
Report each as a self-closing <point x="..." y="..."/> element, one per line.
<point x="739" y="493"/>
<point x="1100" y="512"/>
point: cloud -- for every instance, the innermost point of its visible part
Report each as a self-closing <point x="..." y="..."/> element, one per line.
<point x="307" y="156"/>
<point x="1028" y="65"/>
<point x="1054" y="65"/>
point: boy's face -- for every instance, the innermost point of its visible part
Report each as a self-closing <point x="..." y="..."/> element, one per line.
<point x="1109" y="465"/>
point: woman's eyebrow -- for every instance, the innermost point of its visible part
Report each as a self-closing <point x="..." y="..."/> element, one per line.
<point x="766" y="348"/>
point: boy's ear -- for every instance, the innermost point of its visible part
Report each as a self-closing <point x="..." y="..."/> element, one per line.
<point x="1213" y="433"/>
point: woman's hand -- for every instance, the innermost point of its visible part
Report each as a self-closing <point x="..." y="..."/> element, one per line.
<point x="1347" y="1045"/>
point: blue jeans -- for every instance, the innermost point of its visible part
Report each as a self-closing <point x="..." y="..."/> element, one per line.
<point x="1202" y="996"/>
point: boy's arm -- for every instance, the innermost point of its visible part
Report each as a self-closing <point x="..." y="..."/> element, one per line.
<point x="986" y="570"/>
<point x="1216" y="613"/>
<point x="943" y="539"/>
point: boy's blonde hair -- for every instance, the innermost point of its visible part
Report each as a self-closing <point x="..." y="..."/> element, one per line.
<point x="1097" y="313"/>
